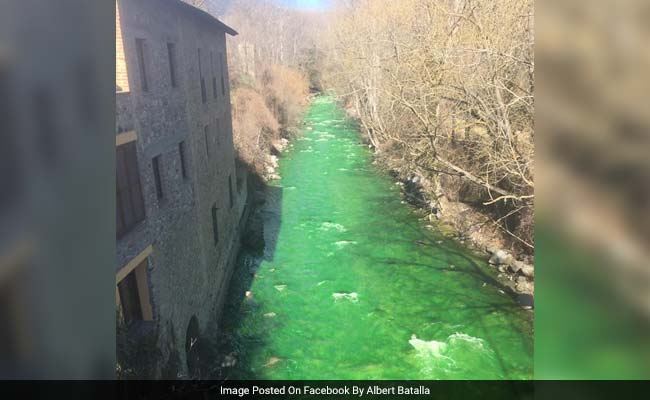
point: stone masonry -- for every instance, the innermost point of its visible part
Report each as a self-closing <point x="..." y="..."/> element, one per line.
<point x="186" y="99"/>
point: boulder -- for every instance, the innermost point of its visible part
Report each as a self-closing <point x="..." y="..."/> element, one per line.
<point x="528" y="270"/>
<point x="525" y="287"/>
<point x="500" y="257"/>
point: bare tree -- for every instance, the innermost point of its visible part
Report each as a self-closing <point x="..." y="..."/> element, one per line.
<point x="445" y="89"/>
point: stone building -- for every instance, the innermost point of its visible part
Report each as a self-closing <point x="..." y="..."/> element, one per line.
<point x="181" y="200"/>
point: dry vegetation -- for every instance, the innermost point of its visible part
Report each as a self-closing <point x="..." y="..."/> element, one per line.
<point x="270" y="85"/>
<point x="444" y="92"/>
<point x="265" y="112"/>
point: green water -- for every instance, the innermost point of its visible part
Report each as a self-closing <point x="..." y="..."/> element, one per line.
<point x="350" y="273"/>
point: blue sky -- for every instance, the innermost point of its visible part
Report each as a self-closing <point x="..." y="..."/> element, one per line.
<point x="307" y="4"/>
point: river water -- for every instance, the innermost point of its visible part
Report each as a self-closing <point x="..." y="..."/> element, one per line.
<point x="353" y="285"/>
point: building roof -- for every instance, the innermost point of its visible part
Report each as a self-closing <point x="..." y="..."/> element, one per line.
<point x="204" y="15"/>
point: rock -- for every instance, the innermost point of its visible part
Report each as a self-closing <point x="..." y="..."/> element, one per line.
<point x="500" y="257"/>
<point x="528" y="270"/>
<point x="249" y="294"/>
<point x="526" y="301"/>
<point x="491" y="249"/>
<point x="522" y="268"/>
<point x="525" y="287"/>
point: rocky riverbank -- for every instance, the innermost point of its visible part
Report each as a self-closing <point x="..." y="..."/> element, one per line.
<point x="467" y="225"/>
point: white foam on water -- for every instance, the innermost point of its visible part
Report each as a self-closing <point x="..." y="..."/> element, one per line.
<point x="280" y="288"/>
<point x="353" y="297"/>
<point x="431" y="354"/>
<point x="342" y="243"/>
<point x="462" y="337"/>
<point x="431" y="348"/>
<point x="436" y="355"/>
<point x="328" y="226"/>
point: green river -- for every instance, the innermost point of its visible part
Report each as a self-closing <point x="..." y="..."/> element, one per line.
<point x="354" y="285"/>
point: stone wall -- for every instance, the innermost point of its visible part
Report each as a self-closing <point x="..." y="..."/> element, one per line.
<point x="188" y="272"/>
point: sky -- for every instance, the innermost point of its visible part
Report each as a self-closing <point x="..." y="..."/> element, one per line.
<point x="306" y="4"/>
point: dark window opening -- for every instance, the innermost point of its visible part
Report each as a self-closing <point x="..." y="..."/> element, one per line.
<point x="207" y="142"/>
<point x="217" y="131"/>
<point x="130" y="205"/>
<point x="181" y="152"/>
<point x="230" y="190"/>
<point x="214" y="79"/>
<point x="171" y="53"/>
<point x="222" y="66"/>
<point x="156" y="174"/>
<point x="130" y="298"/>
<point x="204" y="97"/>
<point x="215" y="228"/>
<point x="140" y="47"/>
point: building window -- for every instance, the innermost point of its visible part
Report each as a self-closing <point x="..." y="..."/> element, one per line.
<point x="204" y="97"/>
<point x="230" y="190"/>
<point x="171" y="54"/>
<point x="140" y="48"/>
<point x="130" y="298"/>
<point x="214" y="78"/>
<point x="215" y="227"/>
<point x="133" y="292"/>
<point x="156" y="175"/>
<point x="217" y="130"/>
<point x="130" y="205"/>
<point x="222" y="67"/>
<point x="207" y="142"/>
<point x="181" y="152"/>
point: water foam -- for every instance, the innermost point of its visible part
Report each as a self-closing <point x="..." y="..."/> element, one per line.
<point x="342" y="243"/>
<point x="328" y="226"/>
<point x="353" y="297"/>
<point x="432" y="348"/>
<point x="463" y="337"/>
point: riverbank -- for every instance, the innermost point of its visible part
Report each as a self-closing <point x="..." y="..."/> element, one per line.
<point x="442" y="209"/>
<point x="469" y="227"/>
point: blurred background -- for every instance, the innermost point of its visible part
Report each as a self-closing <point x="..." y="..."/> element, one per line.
<point x="592" y="217"/>
<point x="592" y="231"/>
<point x="57" y="241"/>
